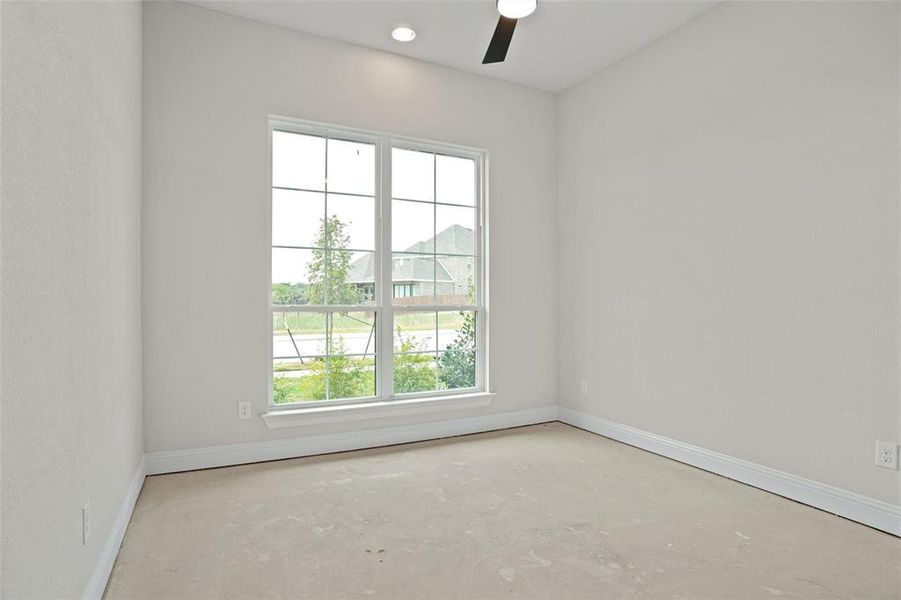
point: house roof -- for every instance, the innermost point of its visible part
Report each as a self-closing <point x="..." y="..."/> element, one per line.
<point x="456" y="239"/>
<point x="406" y="267"/>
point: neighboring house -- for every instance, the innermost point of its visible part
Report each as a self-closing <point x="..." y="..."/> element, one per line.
<point x="417" y="273"/>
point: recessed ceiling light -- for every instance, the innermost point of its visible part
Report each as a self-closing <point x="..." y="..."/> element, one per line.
<point x="403" y="33"/>
<point x="516" y="9"/>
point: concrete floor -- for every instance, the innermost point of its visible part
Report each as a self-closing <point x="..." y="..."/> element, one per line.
<point x="547" y="511"/>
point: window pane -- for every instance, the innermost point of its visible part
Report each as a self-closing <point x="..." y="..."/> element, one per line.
<point x="455" y="180"/>
<point x="351" y="357"/>
<point x="414" y="275"/>
<point x="302" y="384"/>
<point x="412" y="227"/>
<point x="456" y="329"/>
<point x="298" y="161"/>
<point x="361" y="275"/>
<point x="350" y="376"/>
<point x="354" y="222"/>
<point x="415" y="331"/>
<point x="345" y="285"/>
<point x="296" y="217"/>
<point x="457" y="343"/>
<point x="351" y="167"/>
<point x="304" y="370"/>
<point x="455" y="226"/>
<point x="456" y="369"/>
<point x="351" y="366"/>
<point x="293" y="271"/>
<point x="354" y="333"/>
<point x="296" y="338"/>
<point x="296" y="335"/>
<point x="460" y="273"/>
<point x="414" y="373"/>
<point x="412" y="175"/>
<point x="402" y="290"/>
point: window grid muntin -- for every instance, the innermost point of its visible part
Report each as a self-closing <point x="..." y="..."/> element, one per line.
<point x="382" y="304"/>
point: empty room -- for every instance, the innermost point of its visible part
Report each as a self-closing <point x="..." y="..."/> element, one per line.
<point x="544" y="299"/>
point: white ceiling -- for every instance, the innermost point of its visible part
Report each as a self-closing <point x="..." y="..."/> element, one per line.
<point x="560" y="44"/>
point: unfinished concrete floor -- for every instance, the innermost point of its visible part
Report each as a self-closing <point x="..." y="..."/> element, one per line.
<point x="547" y="511"/>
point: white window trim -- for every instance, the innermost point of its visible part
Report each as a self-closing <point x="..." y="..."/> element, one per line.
<point x="386" y="401"/>
<point x="316" y="414"/>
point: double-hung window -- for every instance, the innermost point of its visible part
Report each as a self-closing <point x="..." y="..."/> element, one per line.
<point x="378" y="266"/>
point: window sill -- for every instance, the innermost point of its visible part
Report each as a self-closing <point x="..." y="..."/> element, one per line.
<point x="315" y="415"/>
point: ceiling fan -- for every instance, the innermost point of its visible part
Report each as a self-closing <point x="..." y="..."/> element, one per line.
<point x="511" y="11"/>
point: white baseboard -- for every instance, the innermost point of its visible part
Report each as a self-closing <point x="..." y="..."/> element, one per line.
<point x="100" y="576"/>
<point x="869" y="511"/>
<point x="234" y="454"/>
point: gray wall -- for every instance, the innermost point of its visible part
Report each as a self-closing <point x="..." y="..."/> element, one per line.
<point x="210" y="81"/>
<point x="71" y="296"/>
<point x="728" y="238"/>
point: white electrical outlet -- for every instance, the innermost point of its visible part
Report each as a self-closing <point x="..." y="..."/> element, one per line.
<point x="887" y="455"/>
<point x="584" y="386"/>
<point x="85" y="523"/>
<point x="244" y="410"/>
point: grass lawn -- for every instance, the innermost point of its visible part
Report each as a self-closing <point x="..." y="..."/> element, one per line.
<point x="304" y="323"/>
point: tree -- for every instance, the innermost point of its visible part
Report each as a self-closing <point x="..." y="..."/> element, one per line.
<point x="329" y="270"/>
<point x="289" y="293"/>
<point x="329" y="274"/>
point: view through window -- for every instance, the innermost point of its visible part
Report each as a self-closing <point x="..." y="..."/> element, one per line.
<point x="343" y="278"/>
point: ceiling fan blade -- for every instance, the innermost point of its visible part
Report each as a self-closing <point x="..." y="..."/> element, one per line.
<point x="500" y="41"/>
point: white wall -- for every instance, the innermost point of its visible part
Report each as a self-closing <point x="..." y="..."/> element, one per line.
<point x="71" y="337"/>
<point x="728" y="238"/>
<point x="210" y="81"/>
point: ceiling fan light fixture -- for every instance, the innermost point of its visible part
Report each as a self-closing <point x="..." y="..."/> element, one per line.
<point x="402" y="33"/>
<point x="516" y="9"/>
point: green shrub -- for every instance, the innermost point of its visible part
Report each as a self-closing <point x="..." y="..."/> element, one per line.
<point x="282" y="390"/>
<point x="412" y="372"/>
<point x="458" y="363"/>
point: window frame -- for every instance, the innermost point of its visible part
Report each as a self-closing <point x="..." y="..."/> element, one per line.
<point x="383" y="305"/>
